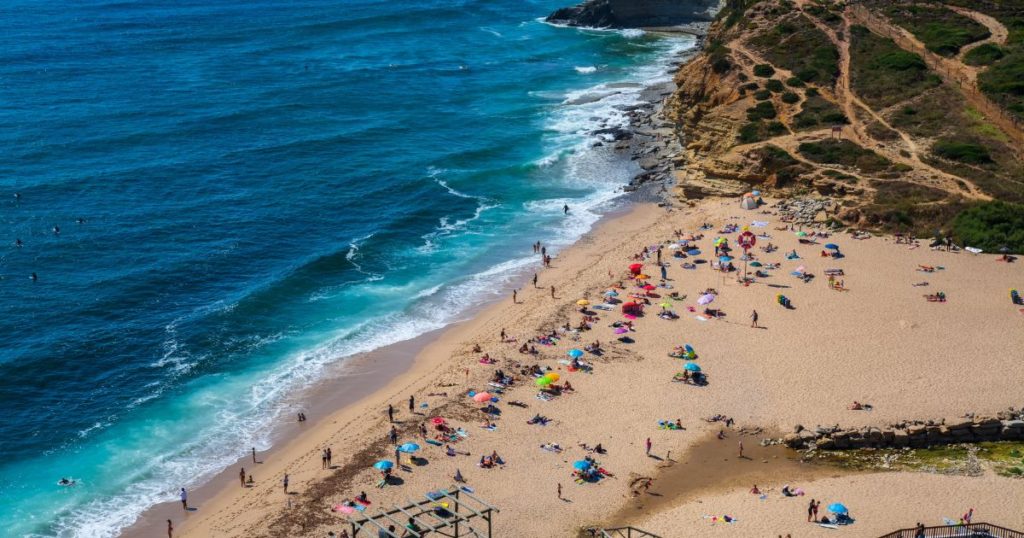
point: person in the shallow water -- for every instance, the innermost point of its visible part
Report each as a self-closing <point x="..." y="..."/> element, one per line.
<point x="565" y="209"/>
<point x="18" y="243"/>
<point x="34" y="277"/>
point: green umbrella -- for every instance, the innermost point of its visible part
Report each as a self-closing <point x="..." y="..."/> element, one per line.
<point x="756" y="264"/>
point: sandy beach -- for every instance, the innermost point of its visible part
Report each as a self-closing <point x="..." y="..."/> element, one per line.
<point x="879" y="342"/>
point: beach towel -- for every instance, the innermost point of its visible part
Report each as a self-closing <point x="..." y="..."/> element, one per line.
<point x="435" y="443"/>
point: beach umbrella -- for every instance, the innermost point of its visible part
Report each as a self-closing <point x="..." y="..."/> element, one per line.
<point x="725" y="259"/>
<point x="641" y="276"/>
<point x="552" y="376"/>
<point x="755" y="193"/>
<point x="409" y="448"/>
<point x="666" y="304"/>
<point x="481" y="397"/>
<point x="705" y="299"/>
<point x="837" y="508"/>
<point x="832" y="246"/>
<point x="636" y="267"/>
<point x="1004" y="249"/>
<point x="575" y="353"/>
<point x="693" y="252"/>
<point x="673" y="246"/>
<point x="691" y="366"/>
<point x="543" y="381"/>
<point x="383" y="465"/>
<point x="720" y="241"/>
<point x="621" y="330"/>
<point x="756" y="264"/>
<point x="801" y="234"/>
<point x="650" y="287"/>
<point x="581" y="465"/>
<point x="611" y="293"/>
<point x="800" y="269"/>
<point x="437" y="420"/>
<point x="583" y="302"/>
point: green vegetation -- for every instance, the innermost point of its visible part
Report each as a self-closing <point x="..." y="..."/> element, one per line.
<point x="774" y="160"/>
<point x="797" y="45"/>
<point x="845" y="153"/>
<point x="760" y="130"/>
<point x="718" y="57"/>
<point x="762" y="95"/>
<point x="961" y="151"/>
<point x="764" y="70"/>
<point x="775" y="85"/>
<point x="764" y="110"/>
<point x="1004" y="82"/>
<point x="794" y="82"/>
<point x="790" y="98"/>
<point x="991" y="225"/>
<point x="882" y="74"/>
<point x="985" y="54"/>
<point x="1004" y="457"/>
<point x="942" y="31"/>
<point x="825" y="15"/>
<point x="818" y="112"/>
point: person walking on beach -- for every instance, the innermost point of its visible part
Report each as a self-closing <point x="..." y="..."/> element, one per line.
<point x="514" y="299"/>
<point x="393" y="436"/>
<point x="815" y="510"/>
<point x="241" y="477"/>
<point x="648" y="445"/>
<point x="391" y="413"/>
<point x="753" y="319"/>
<point x="503" y="334"/>
<point x="741" y="449"/>
<point x="664" y="271"/>
<point x="412" y="404"/>
<point x="284" y="482"/>
<point x="810" y="511"/>
<point x="323" y="459"/>
<point x="184" y="499"/>
<point x="535" y="280"/>
<point x="254" y="454"/>
<point x="559" y="491"/>
<point x="329" y="457"/>
<point x="552" y="292"/>
<point x="170" y="529"/>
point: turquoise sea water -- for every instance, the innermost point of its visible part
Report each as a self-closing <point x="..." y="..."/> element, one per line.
<point x="265" y="188"/>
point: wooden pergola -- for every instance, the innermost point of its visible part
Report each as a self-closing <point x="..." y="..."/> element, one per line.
<point x="456" y="521"/>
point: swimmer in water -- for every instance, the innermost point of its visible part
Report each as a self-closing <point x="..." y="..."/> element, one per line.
<point x="80" y="220"/>
<point x="18" y="243"/>
<point x="34" y="277"/>
<point x="56" y="230"/>
<point x="565" y="209"/>
<point x="66" y="482"/>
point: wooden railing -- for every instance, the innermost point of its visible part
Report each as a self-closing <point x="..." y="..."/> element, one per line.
<point x="626" y="532"/>
<point x="970" y="530"/>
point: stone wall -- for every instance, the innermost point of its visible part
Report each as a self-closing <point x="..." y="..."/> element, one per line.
<point x="1006" y="426"/>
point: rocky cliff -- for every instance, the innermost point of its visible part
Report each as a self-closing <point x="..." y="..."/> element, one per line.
<point x="635" y="13"/>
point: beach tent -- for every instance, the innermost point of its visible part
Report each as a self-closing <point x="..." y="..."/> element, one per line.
<point x="748" y="202"/>
<point x="636" y="268"/>
<point x="632" y="308"/>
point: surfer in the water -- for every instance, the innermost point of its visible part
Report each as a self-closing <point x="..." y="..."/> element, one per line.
<point x="565" y="209"/>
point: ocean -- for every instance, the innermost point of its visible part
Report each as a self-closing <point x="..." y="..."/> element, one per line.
<point x="247" y="193"/>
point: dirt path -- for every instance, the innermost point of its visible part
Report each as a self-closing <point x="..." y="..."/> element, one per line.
<point x="951" y="70"/>
<point x="999" y="32"/>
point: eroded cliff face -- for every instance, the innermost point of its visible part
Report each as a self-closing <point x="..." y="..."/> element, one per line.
<point x="635" y="13"/>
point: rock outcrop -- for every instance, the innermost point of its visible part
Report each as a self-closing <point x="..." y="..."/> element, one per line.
<point x="1006" y="426"/>
<point x="635" y="13"/>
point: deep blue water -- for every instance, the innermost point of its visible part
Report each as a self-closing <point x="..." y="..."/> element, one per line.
<point x="265" y="188"/>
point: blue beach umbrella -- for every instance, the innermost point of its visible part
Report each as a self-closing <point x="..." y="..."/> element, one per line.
<point x="575" y="353"/>
<point x="383" y="465"/>
<point x="611" y="293"/>
<point x="693" y="252"/>
<point x="581" y="465"/>
<point x="756" y="193"/>
<point x="832" y="246"/>
<point x="837" y="508"/>
<point x="725" y="259"/>
<point x="409" y="448"/>
<point x="691" y="366"/>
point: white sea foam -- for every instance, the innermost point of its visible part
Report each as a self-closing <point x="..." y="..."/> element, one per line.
<point x="585" y="70"/>
<point x="242" y="408"/>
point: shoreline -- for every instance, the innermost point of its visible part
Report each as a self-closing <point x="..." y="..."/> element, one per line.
<point x="341" y="390"/>
<point x="759" y="384"/>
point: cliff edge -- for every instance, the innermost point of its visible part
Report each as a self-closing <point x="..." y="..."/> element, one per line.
<point x="635" y="13"/>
